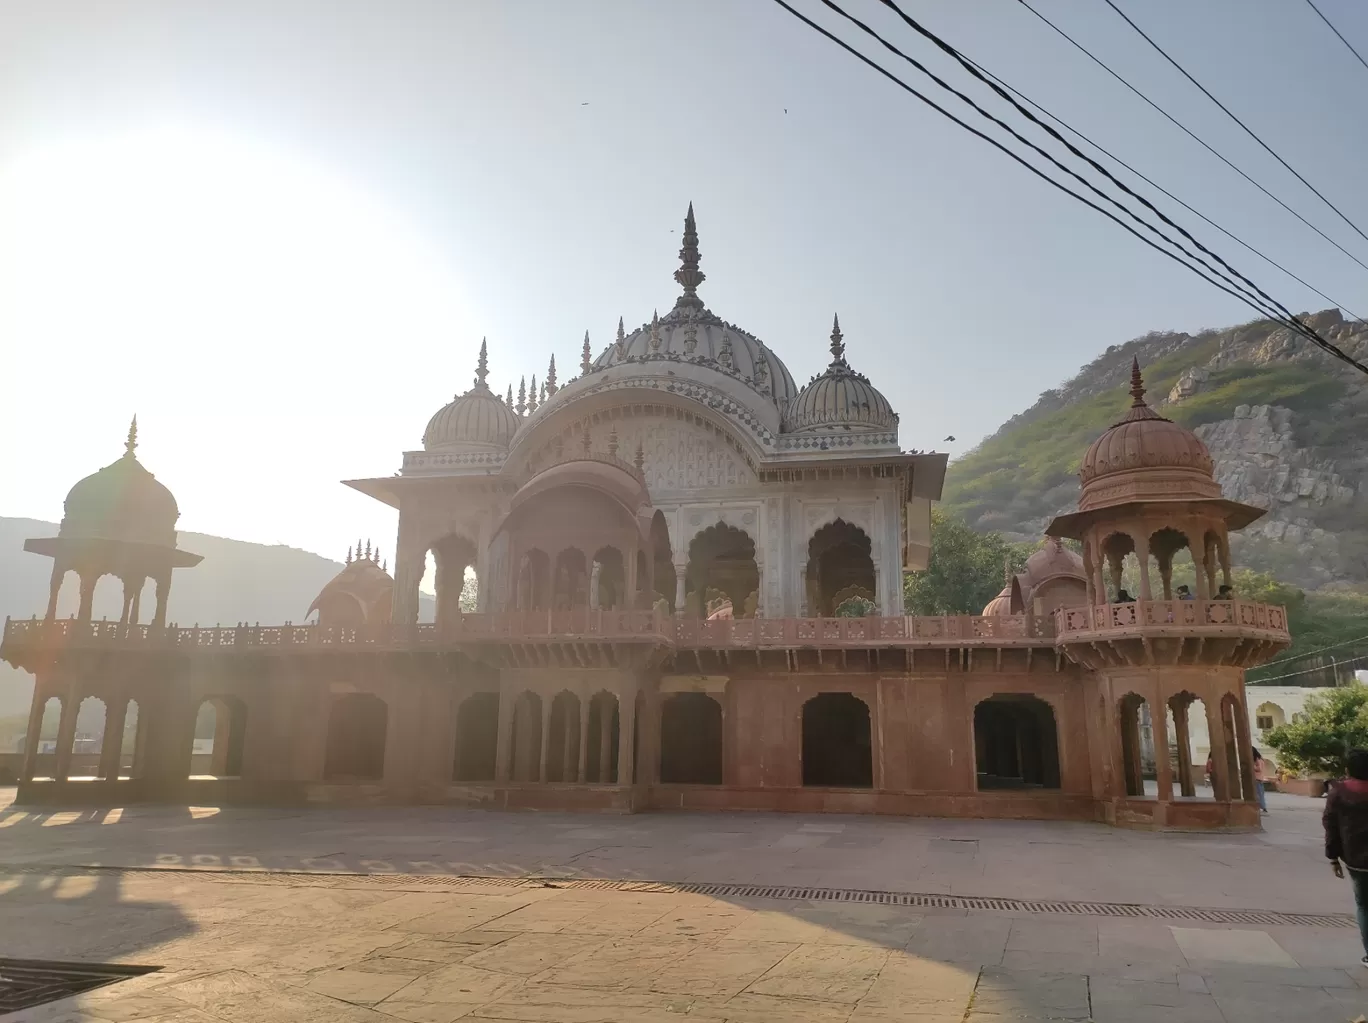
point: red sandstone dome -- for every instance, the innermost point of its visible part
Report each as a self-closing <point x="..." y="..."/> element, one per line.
<point x="1052" y="561"/>
<point x="1146" y="457"/>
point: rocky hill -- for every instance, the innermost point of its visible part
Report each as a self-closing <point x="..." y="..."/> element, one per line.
<point x="1286" y="424"/>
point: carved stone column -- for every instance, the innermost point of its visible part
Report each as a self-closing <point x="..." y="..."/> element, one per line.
<point x="606" y="741"/>
<point x="582" y="775"/>
<point x="545" y="749"/>
<point x="111" y="746"/>
<point x="1142" y="557"/>
<point x="681" y="579"/>
<point x="66" y="733"/>
<point x="1183" y="740"/>
<point x="503" y="751"/>
<point x="626" y="737"/>
<point x="88" y="582"/>
<point x="31" y="737"/>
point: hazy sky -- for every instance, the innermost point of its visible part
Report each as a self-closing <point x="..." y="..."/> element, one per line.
<point x="277" y="230"/>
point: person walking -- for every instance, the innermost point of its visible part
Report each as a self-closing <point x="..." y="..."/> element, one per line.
<point x="1259" y="776"/>
<point x="1346" y="834"/>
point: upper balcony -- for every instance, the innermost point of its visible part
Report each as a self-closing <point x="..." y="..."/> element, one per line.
<point x="1233" y="632"/>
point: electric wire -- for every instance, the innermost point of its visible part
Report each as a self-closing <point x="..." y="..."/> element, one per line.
<point x="973" y="70"/>
<point x="1188" y="131"/>
<point x="1348" y="662"/>
<point x="1333" y="29"/>
<point x="1248" y="130"/>
<point x="1313" y="653"/>
<point x="1150" y="181"/>
<point x="1198" y="269"/>
<point x="1281" y="315"/>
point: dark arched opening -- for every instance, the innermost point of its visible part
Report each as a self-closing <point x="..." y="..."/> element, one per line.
<point x="452" y="556"/>
<point x="562" y="744"/>
<point x="691" y="740"/>
<point x="477" y="738"/>
<point x="601" y="762"/>
<point x="357" y="723"/>
<point x="571" y="580"/>
<point x="840" y="566"/>
<point x="837" y="751"/>
<point x="722" y="566"/>
<point x="1016" y="743"/>
<point x="663" y="579"/>
<point x="527" y="715"/>
<point x="221" y="732"/>
<point x="608" y="580"/>
<point x="1132" y="715"/>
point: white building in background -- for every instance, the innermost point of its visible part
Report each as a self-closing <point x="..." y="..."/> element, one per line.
<point x="1269" y="706"/>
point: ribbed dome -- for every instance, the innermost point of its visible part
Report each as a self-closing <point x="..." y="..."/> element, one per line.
<point x="1145" y="456"/>
<point x="840" y="398"/>
<point x="476" y="419"/>
<point x="1001" y="604"/>
<point x="1052" y="561"/>
<point x="691" y="333"/>
<point x="123" y="501"/>
<point x="358" y="595"/>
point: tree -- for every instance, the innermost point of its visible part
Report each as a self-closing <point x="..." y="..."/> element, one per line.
<point x="470" y="590"/>
<point x="856" y="607"/>
<point x="965" y="572"/>
<point x="1320" y="738"/>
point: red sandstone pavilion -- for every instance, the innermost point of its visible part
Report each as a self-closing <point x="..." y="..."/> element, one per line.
<point x="660" y="546"/>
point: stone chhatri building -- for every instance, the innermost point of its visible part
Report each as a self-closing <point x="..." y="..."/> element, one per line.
<point x="661" y="545"/>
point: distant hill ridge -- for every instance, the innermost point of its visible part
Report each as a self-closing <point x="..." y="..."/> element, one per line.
<point x="1285" y="424"/>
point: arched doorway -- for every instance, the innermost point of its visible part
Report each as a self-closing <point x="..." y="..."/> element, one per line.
<point x="527" y="715"/>
<point x="607" y="580"/>
<point x="722" y="564"/>
<point x="1133" y="716"/>
<point x="1016" y="743"/>
<point x="477" y="738"/>
<point x="534" y="581"/>
<point x="1190" y="745"/>
<point x="357" y="723"/>
<point x="453" y="560"/>
<point x="562" y="745"/>
<point x="220" y="733"/>
<point x="837" y="747"/>
<point x="570" y="580"/>
<point x="601" y="756"/>
<point x="840" y="566"/>
<point x="690" y="740"/>
<point x="132" y="742"/>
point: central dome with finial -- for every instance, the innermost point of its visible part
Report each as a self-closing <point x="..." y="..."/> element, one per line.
<point x="840" y="398"/>
<point x="123" y="501"/>
<point x="691" y="333"/>
<point x="1144" y="456"/>
<point x="476" y="420"/>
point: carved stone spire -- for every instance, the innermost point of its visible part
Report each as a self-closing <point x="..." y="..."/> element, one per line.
<point x="655" y="331"/>
<point x="613" y="442"/>
<point x="585" y="440"/>
<point x="586" y="355"/>
<point x="837" y="340"/>
<point x="724" y="356"/>
<point x="639" y="459"/>
<point x="551" y="387"/>
<point x="509" y="400"/>
<point x="1137" y="387"/>
<point x="688" y="275"/>
<point x="543" y="392"/>
<point x="131" y="444"/>
<point x="349" y="555"/>
<point x="621" y="342"/>
<point x="482" y="367"/>
<point x="521" y="407"/>
<point x="532" y="396"/>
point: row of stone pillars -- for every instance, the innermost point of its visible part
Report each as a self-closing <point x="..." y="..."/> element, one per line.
<point x="1232" y="750"/>
<point x="504" y="767"/>
<point x="111" y="743"/>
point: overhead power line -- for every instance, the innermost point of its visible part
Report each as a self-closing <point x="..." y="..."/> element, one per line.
<point x="973" y="69"/>
<point x="1254" y="297"/>
<point x="1188" y="131"/>
<point x="1150" y="181"/>
<point x="1312" y="653"/>
<point x="1335" y="666"/>
<point x="1248" y="130"/>
<point x="1333" y="29"/>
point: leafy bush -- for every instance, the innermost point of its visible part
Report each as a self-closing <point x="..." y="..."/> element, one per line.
<point x="966" y="569"/>
<point x="856" y="607"/>
<point x="1333" y="723"/>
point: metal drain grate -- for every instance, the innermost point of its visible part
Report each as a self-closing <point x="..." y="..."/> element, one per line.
<point x="913" y="900"/>
<point x="25" y="983"/>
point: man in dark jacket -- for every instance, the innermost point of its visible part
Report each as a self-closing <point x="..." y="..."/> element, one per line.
<point x="1346" y="834"/>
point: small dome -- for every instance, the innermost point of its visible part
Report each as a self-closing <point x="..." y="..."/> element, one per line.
<point x="476" y="419"/>
<point x="1001" y="605"/>
<point x="1145" y="457"/>
<point x="358" y="595"/>
<point x="840" y="398"/>
<point x="123" y="501"/>
<point x="1053" y="561"/>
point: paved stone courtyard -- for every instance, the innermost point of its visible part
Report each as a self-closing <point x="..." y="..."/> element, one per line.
<point x="353" y="942"/>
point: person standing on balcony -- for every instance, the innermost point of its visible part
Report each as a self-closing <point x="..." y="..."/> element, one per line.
<point x="1185" y="593"/>
<point x="1346" y="834"/>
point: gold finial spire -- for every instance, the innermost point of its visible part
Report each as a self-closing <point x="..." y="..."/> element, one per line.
<point x="586" y="355"/>
<point x="131" y="444"/>
<point x="837" y="340"/>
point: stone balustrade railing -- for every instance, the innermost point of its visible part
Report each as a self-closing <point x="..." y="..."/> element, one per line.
<point x="1202" y="616"/>
<point x="583" y="625"/>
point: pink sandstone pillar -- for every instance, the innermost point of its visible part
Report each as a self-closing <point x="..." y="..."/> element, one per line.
<point x="582" y="775"/>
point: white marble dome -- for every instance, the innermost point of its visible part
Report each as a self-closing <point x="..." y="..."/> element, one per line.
<point x="475" y="420"/>
<point x="840" y="399"/>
